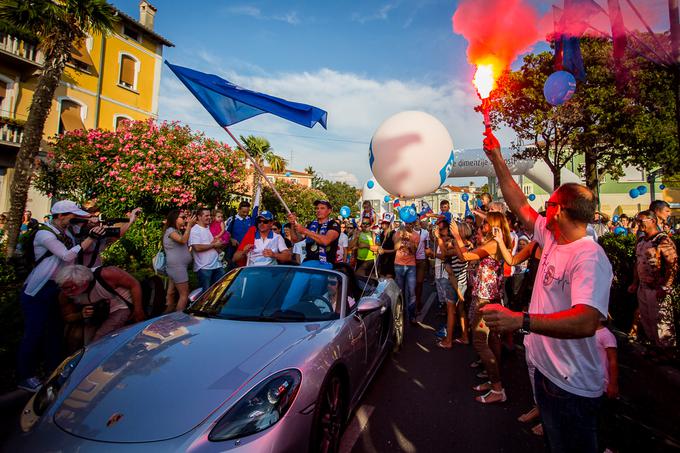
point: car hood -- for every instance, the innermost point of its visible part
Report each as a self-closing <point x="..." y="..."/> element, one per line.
<point x="166" y="379"/>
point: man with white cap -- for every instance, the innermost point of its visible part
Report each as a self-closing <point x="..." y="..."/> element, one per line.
<point x="268" y="247"/>
<point x="53" y="247"/>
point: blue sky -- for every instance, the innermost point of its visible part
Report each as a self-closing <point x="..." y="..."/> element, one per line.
<point x="362" y="61"/>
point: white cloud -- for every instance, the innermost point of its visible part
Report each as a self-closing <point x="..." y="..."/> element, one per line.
<point x="356" y="106"/>
<point x="343" y="176"/>
<point x="381" y="14"/>
<point x="290" y="17"/>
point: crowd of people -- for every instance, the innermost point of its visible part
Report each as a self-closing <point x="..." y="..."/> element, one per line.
<point x="503" y="269"/>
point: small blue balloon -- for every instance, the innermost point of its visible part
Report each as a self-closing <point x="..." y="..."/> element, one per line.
<point x="559" y="87"/>
<point x="620" y="231"/>
<point x="633" y="193"/>
<point x="288" y="174"/>
<point x="345" y="211"/>
<point x="387" y="198"/>
<point x="408" y="214"/>
<point x="532" y="197"/>
<point x="642" y="190"/>
<point x="615" y="219"/>
<point x="662" y="187"/>
<point x="370" y="184"/>
<point x="465" y="197"/>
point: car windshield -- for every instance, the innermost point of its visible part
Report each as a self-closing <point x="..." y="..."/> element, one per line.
<point x="273" y="294"/>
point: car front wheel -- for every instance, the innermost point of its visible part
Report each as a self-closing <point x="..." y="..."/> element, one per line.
<point x="329" y="418"/>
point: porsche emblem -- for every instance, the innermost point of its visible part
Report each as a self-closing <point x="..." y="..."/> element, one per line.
<point x="115" y="418"/>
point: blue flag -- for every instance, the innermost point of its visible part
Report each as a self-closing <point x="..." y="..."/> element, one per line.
<point x="230" y="104"/>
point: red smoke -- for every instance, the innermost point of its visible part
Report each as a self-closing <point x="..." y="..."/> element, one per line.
<point x="497" y="30"/>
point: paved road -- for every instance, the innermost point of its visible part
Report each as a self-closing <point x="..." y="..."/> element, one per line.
<point x="422" y="401"/>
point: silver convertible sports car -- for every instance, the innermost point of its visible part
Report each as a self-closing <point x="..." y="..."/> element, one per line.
<point x="270" y="359"/>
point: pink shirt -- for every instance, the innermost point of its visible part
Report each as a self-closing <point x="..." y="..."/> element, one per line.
<point x="406" y="254"/>
<point x="216" y="227"/>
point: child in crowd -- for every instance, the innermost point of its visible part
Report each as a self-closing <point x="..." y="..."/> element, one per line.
<point x="369" y="213"/>
<point x="218" y="227"/>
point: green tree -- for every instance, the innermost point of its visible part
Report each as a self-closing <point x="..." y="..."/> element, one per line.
<point x="261" y="150"/>
<point x="298" y="197"/>
<point x="57" y="25"/>
<point x="340" y="194"/>
<point x="316" y="179"/>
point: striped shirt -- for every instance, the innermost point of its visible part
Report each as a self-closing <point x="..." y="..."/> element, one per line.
<point x="459" y="270"/>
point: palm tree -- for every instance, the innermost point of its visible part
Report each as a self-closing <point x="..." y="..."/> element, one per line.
<point x="260" y="149"/>
<point x="57" y="25"/>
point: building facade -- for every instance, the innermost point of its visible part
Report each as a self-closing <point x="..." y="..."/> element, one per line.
<point x="108" y="79"/>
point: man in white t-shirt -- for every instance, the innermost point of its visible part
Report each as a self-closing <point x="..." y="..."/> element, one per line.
<point x="570" y="297"/>
<point x="268" y="248"/>
<point x="205" y="249"/>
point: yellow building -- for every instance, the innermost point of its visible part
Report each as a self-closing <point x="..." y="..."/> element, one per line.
<point x="107" y="80"/>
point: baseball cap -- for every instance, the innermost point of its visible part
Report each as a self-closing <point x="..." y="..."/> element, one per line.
<point x="68" y="207"/>
<point x="324" y="202"/>
<point x="387" y="217"/>
<point x="265" y="215"/>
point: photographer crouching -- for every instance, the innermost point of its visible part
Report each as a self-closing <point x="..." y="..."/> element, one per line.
<point x="96" y="303"/>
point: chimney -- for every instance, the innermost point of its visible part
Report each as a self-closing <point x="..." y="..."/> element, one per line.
<point x="146" y="14"/>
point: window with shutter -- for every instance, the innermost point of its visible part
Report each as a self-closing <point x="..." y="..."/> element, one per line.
<point x="70" y="119"/>
<point x="127" y="72"/>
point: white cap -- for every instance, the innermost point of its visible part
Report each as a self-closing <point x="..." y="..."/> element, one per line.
<point x="68" y="207"/>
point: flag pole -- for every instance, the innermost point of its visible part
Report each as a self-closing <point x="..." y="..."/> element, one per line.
<point x="259" y="169"/>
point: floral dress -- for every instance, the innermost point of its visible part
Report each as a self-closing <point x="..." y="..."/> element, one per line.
<point x="487" y="281"/>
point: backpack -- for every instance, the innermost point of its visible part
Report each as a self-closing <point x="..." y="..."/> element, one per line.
<point x="24" y="260"/>
<point x="153" y="293"/>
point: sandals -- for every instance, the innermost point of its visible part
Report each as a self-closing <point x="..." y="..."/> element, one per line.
<point x="483" y="387"/>
<point x="441" y="344"/>
<point x="459" y="341"/>
<point x="483" y="375"/>
<point x="476" y="364"/>
<point x="537" y="430"/>
<point x="529" y="416"/>
<point x="492" y="396"/>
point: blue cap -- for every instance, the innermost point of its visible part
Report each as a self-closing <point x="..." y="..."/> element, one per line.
<point x="265" y="215"/>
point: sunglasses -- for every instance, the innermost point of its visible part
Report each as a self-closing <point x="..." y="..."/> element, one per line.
<point x="365" y="224"/>
<point x="332" y="283"/>
<point x="265" y="221"/>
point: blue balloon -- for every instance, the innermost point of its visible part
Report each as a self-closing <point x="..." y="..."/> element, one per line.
<point x="345" y="211"/>
<point x="408" y="214"/>
<point x="479" y="203"/>
<point x="633" y="193"/>
<point x="642" y="190"/>
<point x="288" y="174"/>
<point x="662" y="187"/>
<point x="532" y="197"/>
<point x="615" y="219"/>
<point x="465" y="197"/>
<point x="387" y="198"/>
<point x="370" y="184"/>
<point x="620" y="231"/>
<point x="559" y="87"/>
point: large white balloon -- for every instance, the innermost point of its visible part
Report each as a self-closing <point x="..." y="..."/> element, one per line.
<point x="411" y="154"/>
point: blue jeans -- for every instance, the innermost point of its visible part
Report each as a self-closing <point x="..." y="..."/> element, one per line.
<point x="406" y="279"/>
<point x="208" y="277"/>
<point x="569" y="421"/>
<point x="42" y="330"/>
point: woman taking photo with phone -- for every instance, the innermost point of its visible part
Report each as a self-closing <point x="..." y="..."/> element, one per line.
<point x="486" y="288"/>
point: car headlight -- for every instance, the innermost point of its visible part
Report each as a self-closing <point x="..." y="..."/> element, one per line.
<point x="49" y="391"/>
<point x="260" y="408"/>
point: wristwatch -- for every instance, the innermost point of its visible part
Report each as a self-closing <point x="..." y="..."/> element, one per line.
<point x="526" y="324"/>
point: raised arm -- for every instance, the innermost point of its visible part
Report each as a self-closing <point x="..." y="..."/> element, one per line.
<point x="512" y="193"/>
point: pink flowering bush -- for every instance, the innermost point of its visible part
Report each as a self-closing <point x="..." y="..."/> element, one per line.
<point x="154" y="166"/>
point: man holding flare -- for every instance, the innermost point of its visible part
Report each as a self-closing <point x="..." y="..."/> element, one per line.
<point x="570" y="297"/>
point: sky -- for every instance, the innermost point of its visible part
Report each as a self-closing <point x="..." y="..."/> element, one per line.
<point x="361" y="61"/>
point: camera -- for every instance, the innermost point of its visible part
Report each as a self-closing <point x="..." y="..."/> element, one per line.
<point x="110" y="231"/>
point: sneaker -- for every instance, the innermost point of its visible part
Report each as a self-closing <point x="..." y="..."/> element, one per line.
<point x="31" y="384"/>
<point x="441" y="333"/>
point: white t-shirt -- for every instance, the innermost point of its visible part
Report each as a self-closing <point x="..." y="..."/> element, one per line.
<point x="343" y="243"/>
<point x="605" y="339"/>
<point x="208" y="259"/>
<point x="422" y="241"/>
<point x="568" y="275"/>
<point x="299" y="249"/>
<point x="273" y="242"/>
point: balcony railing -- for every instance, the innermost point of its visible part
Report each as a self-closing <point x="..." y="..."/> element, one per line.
<point x="20" y="48"/>
<point x="11" y="132"/>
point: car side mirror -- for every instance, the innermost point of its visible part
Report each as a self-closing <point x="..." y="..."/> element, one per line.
<point x="195" y="294"/>
<point x="369" y="305"/>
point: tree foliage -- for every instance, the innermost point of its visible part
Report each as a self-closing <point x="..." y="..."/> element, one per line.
<point x="340" y="194"/>
<point x="155" y="166"/>
<point x="299" y="198"/>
